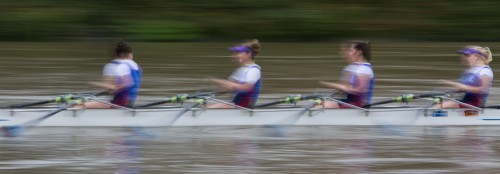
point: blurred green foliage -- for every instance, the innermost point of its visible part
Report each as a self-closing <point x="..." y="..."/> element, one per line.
<point x="280" y="20"/>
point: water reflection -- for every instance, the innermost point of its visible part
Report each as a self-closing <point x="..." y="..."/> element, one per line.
<point x="323" y="149"/>
<point x="125" y="150"/>
<point x="246" y="156"/>
<point x="476" y="152"/>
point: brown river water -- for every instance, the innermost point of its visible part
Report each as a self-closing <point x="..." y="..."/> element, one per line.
<point x="37" y="71"/>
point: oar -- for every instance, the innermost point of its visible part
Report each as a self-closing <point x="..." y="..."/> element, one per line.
<point x="271" y="103"/>
<point x="59" y="99"/>
<point x="179" y="98"/>
<point x="292" y="99"/>
<point x="157" y="103"/>
<point x="33" y="104"/>
<point x="279" y="130"/>
<point x="427" y="106"/>
<point x="175" y="119"/>
<point x="186" y="109"/>
<point x="407" y="98"/>
<point x="16" y="130"/>
<point x="306" y="109"/>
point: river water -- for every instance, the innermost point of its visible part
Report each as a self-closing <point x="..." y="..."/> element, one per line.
<point x="253" y="150"/>
<point x="35" y="71"/>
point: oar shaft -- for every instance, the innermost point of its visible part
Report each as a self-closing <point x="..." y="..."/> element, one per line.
<point x="32" y="104"/>
<point x="181" y="98"/>
<point x="56" y="100"/>
<point x="36" y="121"/>
<point x="15" y="130"/>
<point x="170" y="100"/>
<point x="379" y="103"/>
<point x="309" y="107"/>
<point x="154" y="103"/>
<point x="301" y="113"/>
<point x="307" y="97"/>
<point x="428" y="95"/>
<point x="408" y="97"/>
<point x="292" y="99"/>
<point x="179" y="115"/>
<point x="269" y="104"/>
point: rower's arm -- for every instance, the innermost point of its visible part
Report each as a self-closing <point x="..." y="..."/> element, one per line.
<point x="364" y="83"/>
<point x="252" y="77"/>
<point x="241" y="87"/>
<point x="485" y="81"/>
<point x="127" y="82"/>
<point x="229" y="85"/>
<point x="339" y="86"/>
<point x="110" y="83"/>
<point x="123" y="74"/>
<point x="107" y="82"/>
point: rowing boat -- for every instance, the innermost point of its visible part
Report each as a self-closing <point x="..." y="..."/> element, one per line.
<point x="169" y="116"/>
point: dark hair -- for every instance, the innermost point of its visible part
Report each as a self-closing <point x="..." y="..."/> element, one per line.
<point x="122" y="48"/>
<point x="364" y="47"/>
<point x="254" y="45"/>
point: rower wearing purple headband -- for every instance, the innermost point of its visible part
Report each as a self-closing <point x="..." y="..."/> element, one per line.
<point x="246" y="80"/>
<point x="476" y="80"/>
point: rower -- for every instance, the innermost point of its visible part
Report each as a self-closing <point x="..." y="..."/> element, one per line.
<point x="358" y="79"/>
<point x="122" y="76"/>
<point x="476" y="80"/>
<point x="245" y="81"/>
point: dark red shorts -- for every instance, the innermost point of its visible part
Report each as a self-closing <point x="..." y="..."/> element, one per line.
<point x="123" y="101"/>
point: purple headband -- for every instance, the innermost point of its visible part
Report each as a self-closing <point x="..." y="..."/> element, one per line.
<point x="471" y="51"/>
<point x="242" y="49"/>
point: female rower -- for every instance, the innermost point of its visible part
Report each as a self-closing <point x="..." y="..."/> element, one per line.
<point x="122" y="76"/>
<point x="246" y="80"/>
<point x="476" y="80"/>
<point x="357" y="79"/>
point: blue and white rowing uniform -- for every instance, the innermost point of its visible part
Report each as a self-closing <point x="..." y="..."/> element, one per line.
<point x="351" y="76"/>
<point x="472" y="77"/>
<point x="119" y="68"/>
<point x="247" y="74"/>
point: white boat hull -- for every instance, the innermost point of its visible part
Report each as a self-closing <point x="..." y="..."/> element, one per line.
<point x="239" y="117"/>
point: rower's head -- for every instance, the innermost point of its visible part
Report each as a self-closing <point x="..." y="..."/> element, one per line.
<point x="123" y="50"/>
<point x="357" y="51"/>
<point x="476" y="55"/>
<point x="246" y="52"/>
